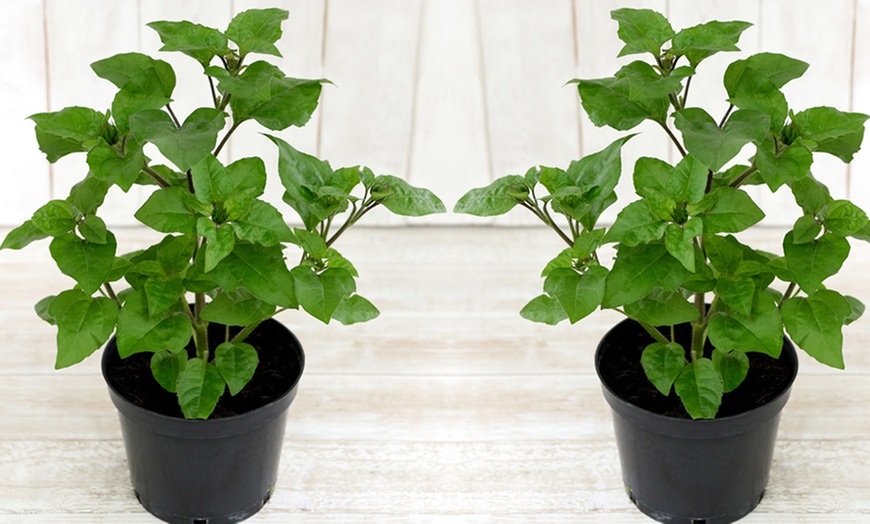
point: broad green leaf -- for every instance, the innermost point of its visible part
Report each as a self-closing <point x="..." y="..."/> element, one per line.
<point x="737" y="293"/>
<point x="642" y="30"/>
<point x="166" y="366"/>
<point x="56" y="147"/>
<point x="404" y="199"/>
<point x="806" y="229"/>
<point x="755" y="82"/>
<point x="55" y="218"/>
<point x="812" y="262"/>
<point x="174" y="253"/>
<point x="66" y="131"/>
<point x="662" y="364"/>
<point x="355" y="309"/>
<point x="139" y="332"/>
<point x="652" y="176"/>
<point x="122" y="68"/>
<point x="704" y="40"/>
<point x="311" y="243"/>
<point x="335" y="259"/>
<point x="220" y="241"/>
<point x="200" y="386"/>
<point x="810" y="194"/>
<point x="197" y="41"/>
<point x="166" y="210"/>
<point x="302" y="175"/>
<point x="579" y="295"/>
<point x="22" y="236"/>
<point x="844" y="218"/>
<point x="263" y="224"/>
<point x="688" y="181"/>
<point x="777" y="68"/>
<point x="815" y="324"/>
<point x="84" y="324"/>
<point x="544" y="309"/>
<point x="237" y="308"/>
<point x="857" y="309"/>
<point x="725" y="253"/>
<point x="42" y="309"/>
<point x="760" y="331"/>
<point x="497" y="198"/>
<point x="680" y="241"/>
<point x="637" y="223"/>
<point x="210" y="180"/>
<point x="732" y="366"/>
<point x="732" y="210"/>
<point x="259" y="269"/>
<point x="93" y="229"/>
<point x="715" y="146"/>
<point x="237" y="363"/>
<point x="321" y="293"/>
<point x="88" y="263"/>
<point x="783" y="167"/>
<point x="88" y="195"/>
<point x="108" y="165"/>
<point x="185" y="146"/>
<point x="162" y="292"/>
<point x="257" y="30"/>
<point x="662" y="308"/>
<point x="247" y="173"/>
<point x="700" y="388"/>
<point x="832" y="131"/>
<point x="587" y="242"/>
<point x="638" y="270"/>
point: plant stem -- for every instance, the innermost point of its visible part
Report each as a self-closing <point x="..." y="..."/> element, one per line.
<point x="788" y="293"/>
<point x="156" y="176"/>
<point x="111" y="293"/>
<point x="226" y="137"/>
<point x="351" y="220"/>
<point x="686" y="91"/>
<point x="552" y="223"/>
<point x="743" y="176"/>
<point x="699" y="328"/>
<point x="172" y="114"/>
<point x="727" y="114"/>
<point x="673" y="138"/>
<point x="649" y="328"/>
<point x="214" y="97"/>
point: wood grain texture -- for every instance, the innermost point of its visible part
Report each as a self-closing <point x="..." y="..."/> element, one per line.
<point x="449" y="408"/>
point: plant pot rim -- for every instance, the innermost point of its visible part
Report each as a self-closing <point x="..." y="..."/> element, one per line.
<point x="211" y="427"/>
<point x="697" y="428"/>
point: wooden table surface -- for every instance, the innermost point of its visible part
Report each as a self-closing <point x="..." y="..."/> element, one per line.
<point x="448" y="408"/>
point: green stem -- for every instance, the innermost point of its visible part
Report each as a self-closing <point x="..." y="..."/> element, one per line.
<point x="214" y="96"/>
<point x="174" y="118"/>
<point x="725" y="118"/>
<point x="351" y="220"/>
<point x="788" y="293"/>
<point x="111" y="293"/>
<point x="673" y="138"/>
<point x="226" y="137"/>
<point x="156" y="176"/>
<point x="699" y="328"/>
<point x="649" y="328"/>
<point x="743" y="176"/>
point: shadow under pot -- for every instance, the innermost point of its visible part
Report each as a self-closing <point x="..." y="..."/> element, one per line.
<point x="213" y="471"/>
<point x="684" y="471"/>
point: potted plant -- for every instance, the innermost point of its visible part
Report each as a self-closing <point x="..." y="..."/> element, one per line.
<point x="697" y="374"/>
<point x="201" y="373"/>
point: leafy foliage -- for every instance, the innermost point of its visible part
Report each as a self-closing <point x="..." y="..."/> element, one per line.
<point x="677" y="261"/>
<point x="224" y="246"/>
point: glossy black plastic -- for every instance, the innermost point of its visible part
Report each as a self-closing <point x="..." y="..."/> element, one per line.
<point x="694" y="471"/>
<point x="205" y="471"/>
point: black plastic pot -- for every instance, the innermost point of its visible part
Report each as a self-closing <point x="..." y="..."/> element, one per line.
<point x="205" y="471"/>
<point x="694" y="471"/>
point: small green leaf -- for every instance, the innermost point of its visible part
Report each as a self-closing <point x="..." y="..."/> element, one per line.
<point x="335" y="259"/>
<point x="702" y="41"/>
<point x="237" y="363"/>
<point x="638" y="270"/>
<point x="579" y="295"/>
<point x="22" y="236"/>
<point x="320" y="294"/>
<point x="237" y="308"/>
<point x="122" y="68"/>
<point x="140" y="332"/>
<point x="404" y="199"/>
<point x="301" y="175"/>
<point x="311" y="243"/>
<point x="88" y="195"/>
<point x="856" y="311"/>
<point x="263" y="224"/>
<point x="83" y="323"/>
<point x="257" y="30"/>
<point x="247" y="173"/>
<point x="732" y="366"/>
<point x="812" y="262"/>
<point x="93" y="229"/>
<point x="166" y="366"/>
<point x="108" y="165"/>
<point x="185" y="146"/>
<point x="200" y="386"/>
<point x="210" y="180"/>
<point x="544" y="309"/>
<point x="680" y="241"/>
<point x="760" y="331"/>
<point x="42" y="309"/>
<point x="737" y="293"/>
<point x="731" y="211"/>
<point x="783" y="167"/>
<point x="66" y="131"/>
<point x="715" y="146"/>
<point x="810" y="194"/>
<point x="259" y="269"/>
<point x="662" y="308"/>
<point x="844" y="218"/>
<point x="636" y="224"/>
<point x="88" y="263"/>
<point x="495" y="199"/>
<point x="55" y="218"/>
<point x="220" y="241"/>
<point x="197" y="41"/>
<point x="166" y="210"/>
<point x="806" y="229"/>
<point x="162" y="292"/>
<point x="642" y="30"/>
<point x="700" y="388"/>
<point x="815" y="324"/>
<point x="662" y="364"/>
<point x="355" y="309"/>
<point x="836" y="132"/>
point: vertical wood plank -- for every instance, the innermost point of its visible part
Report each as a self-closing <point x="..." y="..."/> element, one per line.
<point x="370" y="55"/>
<point x="859" y="175"/>
<point x="25" y="172"/>
<point x="80" y="33"/>
<point x="449" y="149"/>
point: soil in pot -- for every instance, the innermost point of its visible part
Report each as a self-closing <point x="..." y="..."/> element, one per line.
<point x="278" y="368"/>
<point x="623" y="373"/>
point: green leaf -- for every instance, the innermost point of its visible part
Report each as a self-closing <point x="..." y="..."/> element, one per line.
<point x="237" y="308"/>
<point x="713" y="146"/>
<point x="704" y="40"/>
<point x="777" y="68"/>
<point x="812" y="262"/>
<point x="638" y="270"/>
<point x="210" y="180"/>
<point x="162" y="292"/>
<point x="237" y="364"/>
<point x="166" y="366"/>
<point x="123" y="68"/>
<point x="257" y="30"/>
<point x="579" y="295"/>
<point x="108" y="165"/>
<point x="88" y="263"/>
<point x="680" y="241"/>
<point x="84" y="324"/>
<point x="754" y="84"/>
<point x="815" y="324"/>
<point x="806" y="229"/>
<point x="785" y="166"/>
<point x="732" y="210"/>
<point x="66" y="131"/>
<point x="810" y="194"/>
<point x="197" y="41"/>
<point x="55" y="218"/>
<point x="857" y="309"/>
<point x="259" y="269"/>
<point x="497" y="198"/>
<point x="199" y="387"/>
<point x="88" y="195"/>
<point x="732" y="366"/>
<point x="335" y="259"/>
<point x="404" y="199"/>
<point x="320" y="294"/>
<point x="737" y="293"/>
<point x="263" y="224"/>
<point x="844" y="218"/>
<point x="42" y="309"/>
<point x="312" y="243"/>
<point x="700" y="388"/>
<point x="140" y="332"/>
<point x="662" y="308"/>
<point x="220" y="241"/>
<point x="22" y="236"/>
<point x="662" y="364"/>
<point x="760" y="331"/>
<point x="302" y="175"/>
<point x="355" y="309"/>
<point x="185" y="146"/>
<point x="93" y="229"/>
<point x="642" y="30"/>
<point x="247" y="173"/>
<point x="166" y="210"/>
<point x="836" y="132"/>
<point x="544" y="309"/>
<point x="637" y="223"/>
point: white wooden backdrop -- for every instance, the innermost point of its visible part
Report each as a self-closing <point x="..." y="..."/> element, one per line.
<point x="445" y="93"/>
